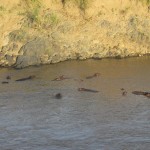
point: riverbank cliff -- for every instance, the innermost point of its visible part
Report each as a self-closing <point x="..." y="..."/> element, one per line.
<point x="35" y="32"/>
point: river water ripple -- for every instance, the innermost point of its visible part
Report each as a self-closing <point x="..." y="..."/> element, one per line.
<point x="31" y="118"/>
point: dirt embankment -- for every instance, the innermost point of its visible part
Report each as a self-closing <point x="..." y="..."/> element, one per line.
<point x="44" y="32"/>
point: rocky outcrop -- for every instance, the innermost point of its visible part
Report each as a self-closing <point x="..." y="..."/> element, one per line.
<point x="34" y="52"/>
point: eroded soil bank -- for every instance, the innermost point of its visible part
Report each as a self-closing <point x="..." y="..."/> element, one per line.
<point x="45" y="32"/>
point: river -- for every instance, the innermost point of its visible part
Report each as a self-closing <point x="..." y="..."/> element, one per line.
<point x="31" y="118"/>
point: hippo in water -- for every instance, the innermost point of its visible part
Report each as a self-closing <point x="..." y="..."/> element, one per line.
<point x="26" y="78"/>
<point x="124" y="92"/>
<point x="147" y="94"/>
<point x="87" y="90"/>
<point x="94" y="75"/>
<point x="5" y="82"/>
<point x="8" y="77"/>
<point x="60" y="78"/>
<point x="58" y="96"/>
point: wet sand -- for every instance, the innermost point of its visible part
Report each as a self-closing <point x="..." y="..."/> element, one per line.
<point x="32" y="118"/>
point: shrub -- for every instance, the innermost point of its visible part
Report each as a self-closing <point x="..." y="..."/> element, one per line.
<point x="147" y="2"/>
<point x="82" y="4"/>
<point x="49" y="20"/>
<point x="33" y="8"/>
<point x="2" y="8"/>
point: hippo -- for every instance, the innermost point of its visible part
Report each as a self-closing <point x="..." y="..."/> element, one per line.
<point x="27" y="78"/>
<point x="87" y="90"/>
<point x="94" y="75"/>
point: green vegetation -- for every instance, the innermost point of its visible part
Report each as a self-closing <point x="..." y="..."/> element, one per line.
<point x="2" y="8"/>
<point x="82" y="4"/>
<point x="18" y="35"/>
<point x="145" y="1"/>
<point x="33" y="8"/>
<point x="33" y="15"/>
<point x="51" y="19"/>
<point x="37" y="17"/>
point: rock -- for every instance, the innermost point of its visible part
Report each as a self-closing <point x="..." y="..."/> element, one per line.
<point x="37" y="47"/>
<point x="33" y="52"/>
<point x="10" y="60"/>
<point x="25" y="61"/>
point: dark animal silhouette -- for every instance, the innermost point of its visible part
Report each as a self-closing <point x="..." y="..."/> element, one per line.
<point x="138" y="92"/>
<point x="8" y="77"/>
<point x="87" y="90"/>
<point x="60" y="78"/>
<point x="124" y="92"/>
<point x="79" y="80"/>
<point x="5" y="82"/>
<point x="147" y="94"/>
<point x="27" y="78"/>
<point x="94" y="75"/>
<point x="58" y="96"/>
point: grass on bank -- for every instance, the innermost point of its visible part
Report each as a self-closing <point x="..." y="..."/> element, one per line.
<point x="82" y="4"/>
<point x="36" y="17"/>
<point x="147" y="2"/>
<point x="32" y="10"/>
<point x="2" y="8"/>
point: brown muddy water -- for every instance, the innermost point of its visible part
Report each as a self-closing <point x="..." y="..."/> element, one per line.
<point x="31" y="118"/>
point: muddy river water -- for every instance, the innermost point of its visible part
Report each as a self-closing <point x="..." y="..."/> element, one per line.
<point x="31" y="118"/>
